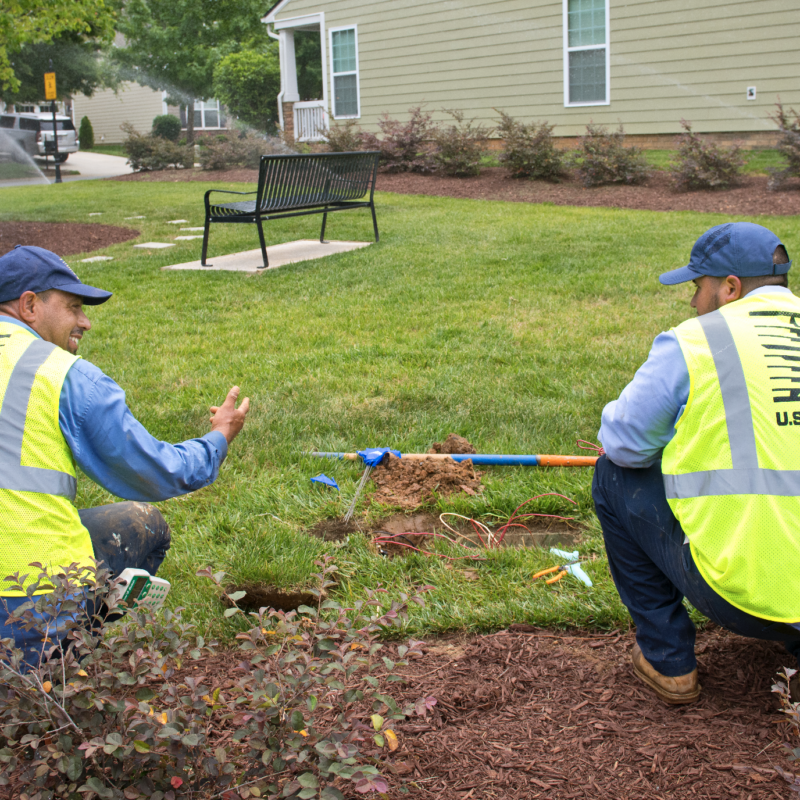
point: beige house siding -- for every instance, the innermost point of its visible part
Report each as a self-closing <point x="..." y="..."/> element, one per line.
<point x="107" y="111"/>
<point x="669" y="59"/>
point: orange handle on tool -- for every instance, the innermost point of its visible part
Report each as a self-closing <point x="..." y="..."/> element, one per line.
<point x="561" y="573"/>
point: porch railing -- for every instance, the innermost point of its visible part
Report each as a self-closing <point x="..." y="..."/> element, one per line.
<point x="310" y="121"/>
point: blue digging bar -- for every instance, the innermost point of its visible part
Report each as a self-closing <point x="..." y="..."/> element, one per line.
<point x="485" y="459"/>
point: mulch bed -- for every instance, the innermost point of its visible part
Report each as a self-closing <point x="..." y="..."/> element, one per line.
<point x="63" y="238"/>
<point x="526" y="713"/>
<point x="750" y="198"/>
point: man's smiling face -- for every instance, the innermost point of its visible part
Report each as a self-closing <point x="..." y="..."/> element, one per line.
<point x="60" y="319"/>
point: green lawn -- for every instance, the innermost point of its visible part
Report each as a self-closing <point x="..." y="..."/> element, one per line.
<point x="108" y="149"/>
<point x="756" y="162"/>
<point x="510" y="324"/>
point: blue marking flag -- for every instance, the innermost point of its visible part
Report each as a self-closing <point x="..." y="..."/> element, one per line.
<point x="323" y="478"/>
<point x="374" y="455"/>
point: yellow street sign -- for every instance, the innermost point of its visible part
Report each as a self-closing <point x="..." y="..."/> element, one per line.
<point x="50" y="86"/>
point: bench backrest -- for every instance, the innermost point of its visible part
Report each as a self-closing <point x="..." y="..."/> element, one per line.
<point x="295" y="181"/>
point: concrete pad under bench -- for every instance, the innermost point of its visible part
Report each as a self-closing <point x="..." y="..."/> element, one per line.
<point x="278" y="254"/>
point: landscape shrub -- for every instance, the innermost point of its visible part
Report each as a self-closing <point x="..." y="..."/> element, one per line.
<point x="701" y="164"/>
<point x="602" y="158"/>
<point x="167" y="126"/>
<point x="460" y="147"/>
<point x="147" y="152"/>
<point x="791" y="708"/>
<point x="405" y="146"/>
<point x="86" y="134"/>
<point x="115" y="713"/>
<point x="247" y="82"/>
<point x="788" y="145"/>
<point x="344" y="137"/>
<point x="529" y="150"/>
<point x="238" y="149"/>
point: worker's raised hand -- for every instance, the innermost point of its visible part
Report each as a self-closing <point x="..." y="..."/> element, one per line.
<point x="227" y="419"/>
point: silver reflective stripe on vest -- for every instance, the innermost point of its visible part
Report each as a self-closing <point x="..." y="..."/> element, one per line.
<point x="13" y="475"/>
<point x="745" y="477"/>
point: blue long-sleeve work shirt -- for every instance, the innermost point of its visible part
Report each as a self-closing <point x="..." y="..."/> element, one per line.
<point x="637" y="426"/>
<point x="115" y="450"/>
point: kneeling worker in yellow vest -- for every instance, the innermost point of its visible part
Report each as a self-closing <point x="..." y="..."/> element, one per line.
<point x="56" y="411"/>
<point x="699" y="491"/>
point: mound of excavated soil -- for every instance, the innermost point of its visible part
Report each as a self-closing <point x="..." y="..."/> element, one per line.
<point x="453" y="444"/>
<point x="410" y="484"/>
<point x="63" y="238"/>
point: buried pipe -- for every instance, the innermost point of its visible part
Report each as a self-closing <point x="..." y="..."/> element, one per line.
<point x="484" y="459"/>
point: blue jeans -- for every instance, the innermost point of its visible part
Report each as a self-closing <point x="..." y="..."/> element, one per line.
<point x="654" y="570"/>
<point x="123" y="535"/>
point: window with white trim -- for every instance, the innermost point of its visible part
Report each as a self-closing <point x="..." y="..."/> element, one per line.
<point x="344" y="73"/>
<point x="207" y="114"/>
<point x="586" y="59"/>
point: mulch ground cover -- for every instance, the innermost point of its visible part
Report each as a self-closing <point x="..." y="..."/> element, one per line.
<point x="63" y="238"/>
<point x="750" y="198"/>
<point x="526" y="713"/>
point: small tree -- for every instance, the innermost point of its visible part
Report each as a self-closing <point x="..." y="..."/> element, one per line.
<point x="460" y="147"/>
<point x="167" y="126"/>
<point x="788" y="121"/>
<point x="603" y="158"/>
<point x="529" y="150"/>
<point x="86" y="134"/>
<point x="703" y="165"/>
<point x="248" y="83"/>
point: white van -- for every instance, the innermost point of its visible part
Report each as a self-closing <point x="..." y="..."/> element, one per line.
<point x="34" y="134"/>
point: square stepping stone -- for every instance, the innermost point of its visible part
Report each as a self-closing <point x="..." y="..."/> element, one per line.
<point x="96" y="258"/>
<point x="96" y="214"/>
<point x="176" y="221"/>
<point x="141" y="216"/>
<point x="192" y="229"/>
<point x="154" y="245"/>
<point x="186" y="238"/>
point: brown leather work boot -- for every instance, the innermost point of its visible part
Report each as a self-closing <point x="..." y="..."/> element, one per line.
<point x="683" y="689"/>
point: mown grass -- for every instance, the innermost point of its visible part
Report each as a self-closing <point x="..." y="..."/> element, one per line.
<point x="510" y="324"/>
<point x="107" y="149"/>
<point x="756" y="162"/>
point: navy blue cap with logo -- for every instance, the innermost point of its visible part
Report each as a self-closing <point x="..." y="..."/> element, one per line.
<point x="34" y="269"/>
<point x="743" y="249"/>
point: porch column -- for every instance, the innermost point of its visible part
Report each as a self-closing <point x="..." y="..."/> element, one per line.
<point x="288" y="67"/>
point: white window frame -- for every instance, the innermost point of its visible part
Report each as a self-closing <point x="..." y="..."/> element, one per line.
<point x="568" y="50"/>
<point x="202" y="109"/>
<point x="331" y="31"/>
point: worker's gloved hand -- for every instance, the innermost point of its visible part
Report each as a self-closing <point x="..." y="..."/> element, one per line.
<point x="227" y="419"/>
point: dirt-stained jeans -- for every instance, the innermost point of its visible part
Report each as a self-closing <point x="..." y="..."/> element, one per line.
<point x="127" y="535"/>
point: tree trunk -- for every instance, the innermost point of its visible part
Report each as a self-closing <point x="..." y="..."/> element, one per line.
<point x="190" y="122"/>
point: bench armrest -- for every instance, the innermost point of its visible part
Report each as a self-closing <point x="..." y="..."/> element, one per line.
<point x="225" y="191"/>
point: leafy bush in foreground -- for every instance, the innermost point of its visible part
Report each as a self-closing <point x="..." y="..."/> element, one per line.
<point x="789" y="145"/>
<point x="148" y="152"/>
<point x="603" y="158"/>
<point x="111" y="715"/>
<point x="238" y="149"/>
<point x="702" y="164"/>
<point x="405" y="146"/>
<point x="529" y="150"/>
<point x="460" y="147"/>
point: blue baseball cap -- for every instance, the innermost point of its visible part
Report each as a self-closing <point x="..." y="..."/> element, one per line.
<point x="735" y="248"/>
<point x="34" y="269"/>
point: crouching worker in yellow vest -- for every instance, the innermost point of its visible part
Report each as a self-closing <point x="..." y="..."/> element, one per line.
<point x="699" y="491"/>
<point x="56" y="411"/>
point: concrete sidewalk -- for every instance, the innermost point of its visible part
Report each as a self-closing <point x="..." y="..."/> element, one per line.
<point x="91" y="166"/>
<point x="278" y="254"/>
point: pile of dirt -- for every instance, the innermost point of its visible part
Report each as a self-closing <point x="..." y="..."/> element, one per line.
<point x="63" y="238"/>
<point x="453" y="444"/>
<point x="750" y="197"/>
<point x="410" y="484"/>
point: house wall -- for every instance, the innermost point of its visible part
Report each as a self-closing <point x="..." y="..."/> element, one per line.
<point x="670" y="59"/>
<point x="107" y="111"/>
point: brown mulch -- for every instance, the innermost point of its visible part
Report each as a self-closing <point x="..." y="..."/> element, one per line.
<point x="527" y="713"/>
<point x="409" y="484"/>
<point x="63" y="238"/>
<point x="750" y="198"/>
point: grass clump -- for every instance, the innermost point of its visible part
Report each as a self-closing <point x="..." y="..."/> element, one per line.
<point x="602" y="158"/>
<point x="701" y="164"/>
<point x="529" y="150"/>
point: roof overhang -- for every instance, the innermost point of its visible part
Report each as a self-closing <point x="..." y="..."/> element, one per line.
<point x="270" y="15"/>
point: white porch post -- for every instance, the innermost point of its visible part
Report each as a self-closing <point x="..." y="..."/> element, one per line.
<point x="288" y="66"/>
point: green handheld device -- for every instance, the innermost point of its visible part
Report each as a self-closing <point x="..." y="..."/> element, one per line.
<point x="138" y="584"/>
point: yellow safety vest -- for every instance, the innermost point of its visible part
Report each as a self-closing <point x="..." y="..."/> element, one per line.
<point x="37" y="470"/>
<point x="732" y="471"/>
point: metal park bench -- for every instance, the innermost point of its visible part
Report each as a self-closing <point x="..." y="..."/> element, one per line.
<point x="297" y="185"/>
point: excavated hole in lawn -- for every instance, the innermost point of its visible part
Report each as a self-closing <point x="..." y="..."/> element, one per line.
<point x="259" y="596"/>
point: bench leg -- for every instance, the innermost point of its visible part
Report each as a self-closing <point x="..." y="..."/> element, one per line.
<point x="205" y="245"/>
<point x="263" y="244"/>
<point x="374" y="221"/>
<point x="322" y="232"/>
